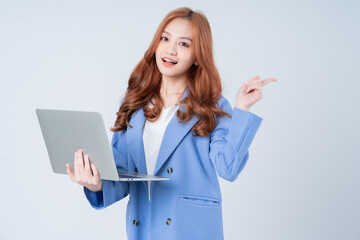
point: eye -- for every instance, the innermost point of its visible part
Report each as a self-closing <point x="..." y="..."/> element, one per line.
<point x="164" y="38"/>
<point x="184" y="44"/>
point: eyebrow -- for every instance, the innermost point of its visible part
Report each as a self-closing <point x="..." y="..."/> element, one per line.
<point x="179" y="37"/>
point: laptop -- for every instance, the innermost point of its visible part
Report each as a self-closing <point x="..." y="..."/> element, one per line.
<point x="66" y="131"/>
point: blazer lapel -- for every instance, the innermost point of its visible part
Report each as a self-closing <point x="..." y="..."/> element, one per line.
<point x="173" y="135"/>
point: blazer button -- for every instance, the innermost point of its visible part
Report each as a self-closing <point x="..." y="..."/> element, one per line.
<point x="136" y="170"/>
<point x="136" y="222"/>
<point x="170" y="170"/>
<point x="168" y="221"/>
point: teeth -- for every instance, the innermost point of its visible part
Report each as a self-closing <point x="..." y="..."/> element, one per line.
<point x="167" y="60"/>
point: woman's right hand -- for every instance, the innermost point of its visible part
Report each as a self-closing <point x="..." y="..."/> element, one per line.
<point x="86" y="173"/>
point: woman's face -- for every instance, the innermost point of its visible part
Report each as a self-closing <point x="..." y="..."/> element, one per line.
<point x="174" y="54"/>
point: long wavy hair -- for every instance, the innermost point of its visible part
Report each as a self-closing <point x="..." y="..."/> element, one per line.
<point x="204" y="83"/>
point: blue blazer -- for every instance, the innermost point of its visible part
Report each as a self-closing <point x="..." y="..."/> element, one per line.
<point x="188" y="206"/>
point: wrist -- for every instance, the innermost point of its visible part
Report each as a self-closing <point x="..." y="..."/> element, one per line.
<point x="242" y="107"/>
<point x="95" y="188"/>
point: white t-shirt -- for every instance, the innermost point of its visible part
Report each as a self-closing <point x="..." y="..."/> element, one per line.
<point x="152" y="136"/>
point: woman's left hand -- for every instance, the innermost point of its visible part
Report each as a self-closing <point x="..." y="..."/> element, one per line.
<point x="251" y="92"/>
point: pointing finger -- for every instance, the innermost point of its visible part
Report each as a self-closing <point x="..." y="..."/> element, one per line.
<point x="266" y="81"/>
<point x="81" y="162"/>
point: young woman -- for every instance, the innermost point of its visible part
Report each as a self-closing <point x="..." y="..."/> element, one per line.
<point x="173" y="122"/>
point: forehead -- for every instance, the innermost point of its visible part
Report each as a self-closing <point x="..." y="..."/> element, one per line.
<point x="180" y="27"/>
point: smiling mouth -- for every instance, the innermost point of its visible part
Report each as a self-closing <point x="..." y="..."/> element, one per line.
<point x="168" y="60"/>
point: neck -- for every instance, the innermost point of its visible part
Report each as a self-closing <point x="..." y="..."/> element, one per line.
<point x="171" y="86"/>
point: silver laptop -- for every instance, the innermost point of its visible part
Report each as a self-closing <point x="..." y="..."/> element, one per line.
<point x="65" y="132"/>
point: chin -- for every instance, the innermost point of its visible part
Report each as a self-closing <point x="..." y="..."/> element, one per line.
<point x="168" y="72"/>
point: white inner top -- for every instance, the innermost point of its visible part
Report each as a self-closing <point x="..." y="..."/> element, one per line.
<point x="152" y="136"/>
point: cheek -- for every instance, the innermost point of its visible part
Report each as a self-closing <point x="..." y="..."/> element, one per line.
<point x="158" y="54"/>
<point x="189" y="58"/>
<point x="157" y="51"/>
<point x="160" y="47"/>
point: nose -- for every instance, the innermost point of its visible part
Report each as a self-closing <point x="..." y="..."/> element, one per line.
<point x="171" y="49"/>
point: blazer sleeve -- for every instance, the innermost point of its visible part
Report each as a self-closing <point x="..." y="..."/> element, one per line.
<point x="113" y="191"/>
<point x="231" y="139"/>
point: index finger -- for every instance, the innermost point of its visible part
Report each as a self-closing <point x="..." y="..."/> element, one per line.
<point x="268" y="80"/>
<point x="78" y="163"/>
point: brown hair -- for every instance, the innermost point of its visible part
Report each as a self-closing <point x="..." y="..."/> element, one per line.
<point x="204" y="84"/>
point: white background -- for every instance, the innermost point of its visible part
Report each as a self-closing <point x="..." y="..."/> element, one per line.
<point x="302" y="178"/>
